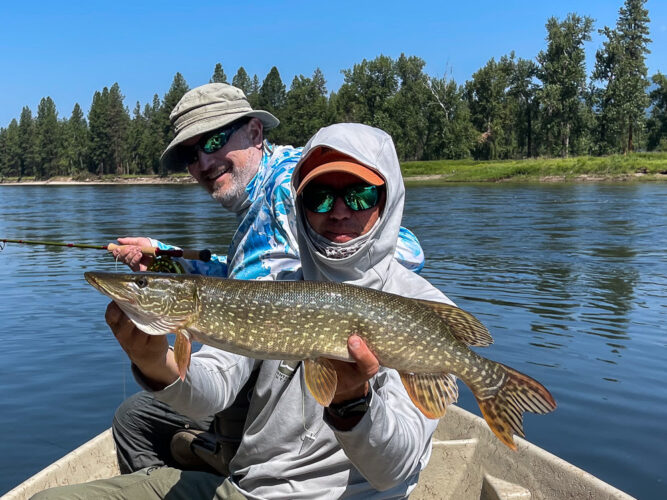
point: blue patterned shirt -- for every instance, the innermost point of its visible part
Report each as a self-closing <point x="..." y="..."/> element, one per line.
<point x="265" y="245"/>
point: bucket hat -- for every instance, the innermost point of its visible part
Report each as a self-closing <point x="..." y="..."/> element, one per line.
<point x="207" y="108"/>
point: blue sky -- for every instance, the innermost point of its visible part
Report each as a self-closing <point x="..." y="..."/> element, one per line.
<point x="68" y="50"/>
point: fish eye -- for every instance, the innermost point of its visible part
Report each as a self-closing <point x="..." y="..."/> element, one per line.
<point x="141" y="282"/>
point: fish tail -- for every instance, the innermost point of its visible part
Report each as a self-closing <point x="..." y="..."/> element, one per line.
<point x="503" y="409"/>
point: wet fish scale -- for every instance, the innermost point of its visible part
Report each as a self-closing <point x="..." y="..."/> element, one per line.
<point x="426" y="342"/>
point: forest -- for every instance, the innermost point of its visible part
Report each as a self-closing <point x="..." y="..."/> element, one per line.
<point x="511" y="108"/>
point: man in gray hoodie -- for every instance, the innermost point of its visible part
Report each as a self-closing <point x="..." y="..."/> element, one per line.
<point x="371" y="442"/>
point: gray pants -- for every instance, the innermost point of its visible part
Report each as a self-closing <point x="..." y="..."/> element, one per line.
<point x="142" y="430"/>
<point x="148" y="484"/>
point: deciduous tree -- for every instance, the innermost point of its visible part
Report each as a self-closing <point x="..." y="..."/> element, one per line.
<point x="657" y="138"/>
<point x="305" y="109"/>
<point x="563" y="74"/>
<point x="621" y="67"/>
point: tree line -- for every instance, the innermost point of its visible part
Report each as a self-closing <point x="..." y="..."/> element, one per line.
<point x="510" y="108"/>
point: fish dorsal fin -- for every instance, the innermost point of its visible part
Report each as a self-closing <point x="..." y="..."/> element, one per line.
<point x="321" y="379"/>
<point x="182" y="352"/>
<point x="463" y="325"/>
<point x="431" y="392"/>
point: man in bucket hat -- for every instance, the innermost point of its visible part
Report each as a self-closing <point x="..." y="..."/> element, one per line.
<point x="219" y="137"/>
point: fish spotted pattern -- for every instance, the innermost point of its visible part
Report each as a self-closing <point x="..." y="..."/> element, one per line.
<point x="426" y="342"/>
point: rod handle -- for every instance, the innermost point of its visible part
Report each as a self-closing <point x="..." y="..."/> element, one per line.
<point x="203" y="255"/>
<point x="145" y="250"/>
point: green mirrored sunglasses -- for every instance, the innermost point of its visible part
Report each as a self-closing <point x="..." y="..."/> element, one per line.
<point x="211" y="142"/>
<point x="320" y="199"/>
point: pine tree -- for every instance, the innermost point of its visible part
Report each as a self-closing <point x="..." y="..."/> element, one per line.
<point x="272" y="92"/>
<point x="242" y="81"/>
<point x="271" y="97"/>
<point x="10" y="152"/>
<point x="100" y="137"/>
<point x="3" y="154"/>
<point x="177" y="90"/>
<point x="253" y="94"/>
<point x="563" y="75"/>
<point x="621" y="65"/>
<point x="28" y="150"/>
<point x="47" y="138"/>
<point x="218" y="75"/>
<point x="137" y="126"/>
<point x="76" y="142"/>
<point x="153" y="139"/>
<point x="118" y="121"/>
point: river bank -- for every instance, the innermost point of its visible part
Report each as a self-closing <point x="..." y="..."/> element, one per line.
<point x="615" y="168"/>
<point x="623" y="168"/>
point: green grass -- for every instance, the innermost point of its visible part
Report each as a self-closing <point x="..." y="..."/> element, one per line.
<point x="535" y="169"/>
<point x="616" y="167"/>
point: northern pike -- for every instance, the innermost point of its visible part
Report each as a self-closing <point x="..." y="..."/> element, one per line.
<point x="424" y="341"/>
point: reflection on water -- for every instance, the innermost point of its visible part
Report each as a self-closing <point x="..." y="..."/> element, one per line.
<point x="569" y="279"/>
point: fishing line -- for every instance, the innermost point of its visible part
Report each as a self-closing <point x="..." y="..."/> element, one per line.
<point x="309" y="437"/>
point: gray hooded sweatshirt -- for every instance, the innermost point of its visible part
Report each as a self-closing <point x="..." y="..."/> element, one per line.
<point x="289" y="449"/>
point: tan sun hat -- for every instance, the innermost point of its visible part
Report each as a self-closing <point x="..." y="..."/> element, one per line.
<point x="207" y="108"/>
<point x="324" y="160"/>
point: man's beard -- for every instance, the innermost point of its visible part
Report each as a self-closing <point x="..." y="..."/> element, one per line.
<point x="234" y="194"/>
<point x="228" y="197"/>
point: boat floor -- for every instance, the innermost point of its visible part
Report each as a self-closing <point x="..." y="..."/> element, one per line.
<point x="468" y="463"/>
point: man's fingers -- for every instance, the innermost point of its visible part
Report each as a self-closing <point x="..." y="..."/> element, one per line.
<point x="366" y="361"/>
<point x="134" y="241"/>
<point x="121" y="326"/>
<point x="113" y="314"/>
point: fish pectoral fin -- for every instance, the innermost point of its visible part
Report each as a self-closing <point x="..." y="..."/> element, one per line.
<point x="463" y="325"/>
<point x="431" y="392"/>
<point x="321" y="379"/>
<point x="182" y="352"/>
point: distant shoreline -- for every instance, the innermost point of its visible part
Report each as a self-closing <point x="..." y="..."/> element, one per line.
<point x="105" y="181"/>
<point x="437" y="179"/>
<point x="615" y="168"/>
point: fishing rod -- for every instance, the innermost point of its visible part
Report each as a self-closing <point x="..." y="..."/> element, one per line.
<point x="163" y="257"/>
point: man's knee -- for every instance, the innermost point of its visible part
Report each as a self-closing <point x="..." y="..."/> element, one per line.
<point x="132" y="410"/>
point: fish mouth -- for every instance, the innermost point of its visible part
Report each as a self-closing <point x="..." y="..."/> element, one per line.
<point x="95" y="281"/>
<point x="90" y="278"/>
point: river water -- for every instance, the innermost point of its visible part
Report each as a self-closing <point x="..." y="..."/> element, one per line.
<point x="571" y="280"/>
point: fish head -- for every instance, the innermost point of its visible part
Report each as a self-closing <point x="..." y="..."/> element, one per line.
<point x="157" y="303"/>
